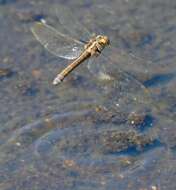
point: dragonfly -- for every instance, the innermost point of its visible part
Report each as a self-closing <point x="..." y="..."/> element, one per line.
<point x="68" y="47"/>
<point x="93" y="47"/>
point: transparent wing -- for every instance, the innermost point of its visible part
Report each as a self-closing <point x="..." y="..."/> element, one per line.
<point x="125" y="61"/>
<point x="108" y="69"/>
<point x="70" y="22"/>
<point x="123" y="89"/>
<point x="55" y="42"/>
<point x="132" y="63"/>
<point x="128" y="61"/>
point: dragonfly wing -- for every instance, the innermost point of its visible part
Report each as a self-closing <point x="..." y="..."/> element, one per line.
<point x="55" y="42"/>
<point x="127" y="61"/>
<point x="97" y="69"/>
<point x="123" y="90"/>
<point x="107" y="69"/>
<point x="70" y="23"/>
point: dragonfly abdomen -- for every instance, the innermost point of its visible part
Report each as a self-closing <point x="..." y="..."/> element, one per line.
<point x="60" y="77"/>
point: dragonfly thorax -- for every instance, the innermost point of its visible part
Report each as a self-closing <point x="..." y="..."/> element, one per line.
<point x="96" y="45"/>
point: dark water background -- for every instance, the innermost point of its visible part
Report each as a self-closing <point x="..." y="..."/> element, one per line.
<point x="89" y="132"/>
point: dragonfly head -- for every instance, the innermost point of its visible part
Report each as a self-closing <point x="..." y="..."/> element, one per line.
<point x="103" y="40"/>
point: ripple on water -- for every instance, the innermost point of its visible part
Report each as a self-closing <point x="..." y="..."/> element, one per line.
<point x="74" y="146"/>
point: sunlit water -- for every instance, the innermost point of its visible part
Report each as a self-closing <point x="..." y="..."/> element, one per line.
<point x="102" y="128"/>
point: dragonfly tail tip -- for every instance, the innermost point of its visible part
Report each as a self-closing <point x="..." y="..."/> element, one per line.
<point x="58" y="80"/>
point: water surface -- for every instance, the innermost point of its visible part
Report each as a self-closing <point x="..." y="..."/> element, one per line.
<point x="89" y="132"/>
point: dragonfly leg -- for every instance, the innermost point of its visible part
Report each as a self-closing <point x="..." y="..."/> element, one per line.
<point x="97" y="53"/>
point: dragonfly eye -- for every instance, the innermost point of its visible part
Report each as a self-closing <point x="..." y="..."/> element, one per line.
<point x="103" y="40"/>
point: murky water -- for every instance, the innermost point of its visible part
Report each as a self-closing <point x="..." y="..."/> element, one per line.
<point x="89" y="132"/>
